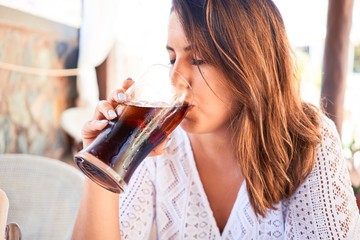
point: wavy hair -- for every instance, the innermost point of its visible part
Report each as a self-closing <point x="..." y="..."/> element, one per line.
<point x="276" y="133"/>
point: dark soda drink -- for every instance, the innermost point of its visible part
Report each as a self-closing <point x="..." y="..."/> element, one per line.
<point x="127" y="140"/>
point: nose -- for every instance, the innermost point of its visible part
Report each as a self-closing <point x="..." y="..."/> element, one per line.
<point x="178" y="79"/>
<point x="182" y="86"/>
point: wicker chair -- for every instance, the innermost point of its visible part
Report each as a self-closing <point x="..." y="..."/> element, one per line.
<point x="44" y="195"/>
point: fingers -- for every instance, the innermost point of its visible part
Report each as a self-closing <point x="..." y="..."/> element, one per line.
<point x="118" y="96"/>
<point x="104" y="110"/>
<point x="92" y="128"/>
<point x="127" y="83"/>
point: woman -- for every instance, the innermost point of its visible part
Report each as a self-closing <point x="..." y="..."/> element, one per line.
<point x="250" y="161"/>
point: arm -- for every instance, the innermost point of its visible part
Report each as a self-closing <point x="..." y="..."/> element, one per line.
<point x="98" y="216"/>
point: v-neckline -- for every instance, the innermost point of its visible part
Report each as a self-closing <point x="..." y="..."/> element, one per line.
<point x="199" y="184"/>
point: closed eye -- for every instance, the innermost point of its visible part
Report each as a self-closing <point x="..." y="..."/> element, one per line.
<point x="197" y="62"/>
<point x="172" y="61"/>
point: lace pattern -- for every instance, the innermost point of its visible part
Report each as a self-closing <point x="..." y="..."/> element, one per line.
<point x="324" y="206"/>
<point x="167" y="190"/>
<point x="137" y="207"/>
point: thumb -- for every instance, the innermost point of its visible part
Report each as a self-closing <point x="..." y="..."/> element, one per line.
<point x="161" y="148"/>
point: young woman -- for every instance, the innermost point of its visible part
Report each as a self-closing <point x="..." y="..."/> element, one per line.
<point x="250" y="160"/>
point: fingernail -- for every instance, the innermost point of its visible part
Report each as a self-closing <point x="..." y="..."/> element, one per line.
<point x="112" y="113"/>
<point x="118" y="110"/>
<point x="168" y="143"/>
<point x="121" y="97"/>
<point x="103" y="121"/>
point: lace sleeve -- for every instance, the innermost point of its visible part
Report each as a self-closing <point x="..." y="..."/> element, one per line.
<point x="137" y="204"/>
<point x="324" y="206"/>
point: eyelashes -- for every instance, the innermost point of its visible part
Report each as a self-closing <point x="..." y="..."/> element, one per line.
<point x="195" y="62"/>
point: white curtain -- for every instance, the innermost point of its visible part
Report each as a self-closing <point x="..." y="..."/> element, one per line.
<point x="141" y="36"/>
<point x="97" y="36"/>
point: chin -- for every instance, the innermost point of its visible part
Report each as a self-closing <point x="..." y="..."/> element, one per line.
<point x="187" y="125"/>
<point x="190" y="126"/>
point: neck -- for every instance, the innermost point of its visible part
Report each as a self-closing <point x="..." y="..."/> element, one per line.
<point x="213" y="148"/>
<point x="217" y="166"/>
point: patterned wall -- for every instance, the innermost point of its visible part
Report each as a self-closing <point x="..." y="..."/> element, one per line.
<point x="31" y="104"/>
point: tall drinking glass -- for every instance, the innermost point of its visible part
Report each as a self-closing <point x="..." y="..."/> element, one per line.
<point x="155" y="105"/>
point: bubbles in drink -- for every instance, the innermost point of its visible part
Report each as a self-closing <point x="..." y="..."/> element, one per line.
<point x="141" y="103"/>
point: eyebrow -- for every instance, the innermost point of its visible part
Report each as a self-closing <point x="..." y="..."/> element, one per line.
<point x="187" y="48"/>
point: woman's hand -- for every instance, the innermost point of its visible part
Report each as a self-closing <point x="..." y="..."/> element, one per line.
<point x="107" y="110"/>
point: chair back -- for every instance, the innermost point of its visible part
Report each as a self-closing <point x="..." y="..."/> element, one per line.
<point x="44" y="195"/>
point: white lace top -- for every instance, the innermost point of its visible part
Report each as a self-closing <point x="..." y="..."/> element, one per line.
<point x="167" y="191"/>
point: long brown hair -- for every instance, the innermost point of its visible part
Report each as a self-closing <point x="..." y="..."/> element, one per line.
<point x="276" y="133"/>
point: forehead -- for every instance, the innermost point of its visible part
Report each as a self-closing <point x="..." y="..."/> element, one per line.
<point x="176" y="34"/>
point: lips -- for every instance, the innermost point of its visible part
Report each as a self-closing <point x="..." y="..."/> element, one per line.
<point x="190" y="108"/>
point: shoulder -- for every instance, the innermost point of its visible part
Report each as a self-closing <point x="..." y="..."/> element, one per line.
<point x="330" y="164"/>
<point x="329" y="153"/>
<point x="328" y="129"/>
<point x="330" y="146"/>
<point x="325" y="197"/>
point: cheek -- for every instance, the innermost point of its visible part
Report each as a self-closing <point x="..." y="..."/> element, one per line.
<point x="212" y="103"/>
<point x="213" y="107"/>
<point x="216" y="112"/>
<point x="215" y="102"/>
<point x="210" y="114"/>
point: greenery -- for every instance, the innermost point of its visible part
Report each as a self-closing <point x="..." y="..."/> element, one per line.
<point x="356" y="190"/>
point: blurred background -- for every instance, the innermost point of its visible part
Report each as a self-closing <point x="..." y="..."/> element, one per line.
<point x="58" y="58"/>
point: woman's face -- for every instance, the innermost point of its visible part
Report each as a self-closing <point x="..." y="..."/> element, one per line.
<point x="212" y="100"/>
